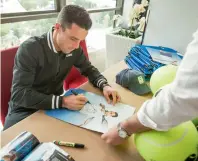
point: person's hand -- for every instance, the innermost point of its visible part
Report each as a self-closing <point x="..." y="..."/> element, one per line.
<point x="111" y="95"/>
<point x="73" y="102"/>
<point x="131" y="125"/>
<point x="112" y="137"/>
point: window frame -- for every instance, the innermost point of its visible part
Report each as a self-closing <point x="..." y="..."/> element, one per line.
<point x="35" y="15"/>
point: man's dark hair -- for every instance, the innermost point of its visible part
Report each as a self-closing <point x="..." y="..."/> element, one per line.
<point x="74" y="14"/>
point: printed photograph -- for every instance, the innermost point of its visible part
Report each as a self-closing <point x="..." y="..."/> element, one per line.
<point x="97" y="115"/>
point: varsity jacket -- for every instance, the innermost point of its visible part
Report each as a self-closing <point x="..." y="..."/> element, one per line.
<point x="39" y="72"/>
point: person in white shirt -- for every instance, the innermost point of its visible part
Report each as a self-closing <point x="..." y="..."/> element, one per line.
<point x="174" y="104"/>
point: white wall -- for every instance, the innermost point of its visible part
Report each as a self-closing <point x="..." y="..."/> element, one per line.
<point x="171" y="23"/>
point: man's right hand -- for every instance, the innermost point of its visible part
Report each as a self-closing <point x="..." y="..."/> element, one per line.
<point x="73" y="102"/>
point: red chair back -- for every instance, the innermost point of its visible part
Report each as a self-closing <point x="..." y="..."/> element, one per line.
<point x="7" y="63"/>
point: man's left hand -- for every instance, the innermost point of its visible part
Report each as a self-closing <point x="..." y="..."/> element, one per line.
<point x="111" y="95"/>
<point x="112" y="137"/>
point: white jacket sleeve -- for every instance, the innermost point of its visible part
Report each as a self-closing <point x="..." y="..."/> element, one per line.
<point x="178" y="101"/>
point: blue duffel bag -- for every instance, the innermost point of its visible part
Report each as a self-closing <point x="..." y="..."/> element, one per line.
<point x="147" y="59"/>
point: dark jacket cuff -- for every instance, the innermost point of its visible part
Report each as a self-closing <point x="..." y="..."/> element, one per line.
<point x="56" y="102"/>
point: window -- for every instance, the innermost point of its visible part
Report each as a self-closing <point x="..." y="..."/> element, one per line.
<point x="102" y="23"/>
<point x="12" y="34"/>
<point x="23" y="17"/>
<point x="13" y="6"/>
<point x="93" y="4"/>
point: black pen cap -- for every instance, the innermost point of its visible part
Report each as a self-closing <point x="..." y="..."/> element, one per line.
<point x="77" y="145"/>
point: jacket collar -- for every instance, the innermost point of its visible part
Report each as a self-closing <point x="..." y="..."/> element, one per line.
<point x="50" y="40"/>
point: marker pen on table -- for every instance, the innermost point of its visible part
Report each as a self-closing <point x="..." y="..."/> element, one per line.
<point x="68" y="144"/>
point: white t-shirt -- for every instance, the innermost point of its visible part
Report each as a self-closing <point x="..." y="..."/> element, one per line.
<point x="178" y="101"/>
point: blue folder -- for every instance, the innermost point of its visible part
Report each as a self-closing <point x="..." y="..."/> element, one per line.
<point x="65" y="114"/>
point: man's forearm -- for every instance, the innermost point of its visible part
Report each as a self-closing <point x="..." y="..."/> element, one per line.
<point x="100" y="82"/>
<point x="29" y="98"/>
<point x="133" y="125"/>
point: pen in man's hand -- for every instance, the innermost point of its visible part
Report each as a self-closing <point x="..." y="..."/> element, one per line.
<point x="75" y="93"/>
